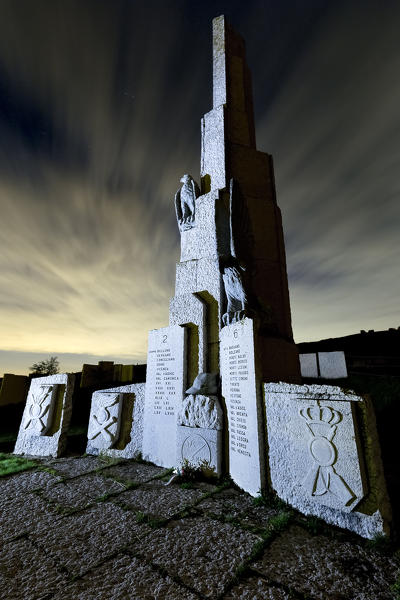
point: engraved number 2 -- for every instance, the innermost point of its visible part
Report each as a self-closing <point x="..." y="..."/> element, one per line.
<point x="164" y="338"/>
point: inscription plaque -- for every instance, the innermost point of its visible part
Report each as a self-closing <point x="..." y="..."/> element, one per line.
<point x="165" y="383"/>
<point x="240" y="389"/>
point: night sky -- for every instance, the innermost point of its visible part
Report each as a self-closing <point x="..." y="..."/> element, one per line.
<point x="100" y="108"/>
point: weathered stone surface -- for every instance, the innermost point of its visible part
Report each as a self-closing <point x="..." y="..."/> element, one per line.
<point x="332" y="365"/>
<point x="73" y="466"/>
<point x="127" y="441"/>
<point x="308" y="365"/>
<point x="241" y="390"/>
<point x="80" y="492"/>
<point x="132" y="471"/>
<point x="195" y="551"/>
<point x="82" y="540"/>
<point x="28" y="574"/>
<point x="256" y="588"/>
<point x="235" y="505"/>
<point x="325" y="568"/>
<point x="124" y="577"/>
<point x="200" y="447"/>
<point x="201" y="411"/>
<point x="105" y="419"/>
<point x="201" y="242"/>
<point x="213" y="168"/>
<point x="43" y="430"/>
<point x="165" y="384"/>
<point x="158" y="500"/>
<point x="315" y="455"/>
<point x="27" y="514"/>
<point x="22" y="483"/>
<point x="190" y="310"/>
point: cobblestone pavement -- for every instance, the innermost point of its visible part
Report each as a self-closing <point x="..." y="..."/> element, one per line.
<point x="83" y="528"/>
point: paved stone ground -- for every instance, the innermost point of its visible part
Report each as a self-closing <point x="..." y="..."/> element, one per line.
<point x="81" y="528"/>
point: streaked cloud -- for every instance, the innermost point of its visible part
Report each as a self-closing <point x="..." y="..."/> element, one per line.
<point x="100" y="116"/>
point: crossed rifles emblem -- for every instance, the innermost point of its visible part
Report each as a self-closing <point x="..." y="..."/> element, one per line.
<point x="107" y="424"/>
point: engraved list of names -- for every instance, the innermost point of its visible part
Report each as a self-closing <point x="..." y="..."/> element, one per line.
<point x="164" y="392"/>
<point x="240" y="390"/>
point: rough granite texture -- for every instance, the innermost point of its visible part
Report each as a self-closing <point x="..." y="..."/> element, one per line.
<point x="201" y="411"/>
<point x="129" y="442"/>
<point x="189" y="309"/>
<point x="44" y="425"/>
<point x="200" y="448"/>
<point x="123" y="533"/>
<point x="241" y="390"/>
<point x="317" y="456"/>
<point x="332" y="365"/>
<point x="165" y="385"/>
<point x="326" y="568"/>
<point x="308" y="365"/>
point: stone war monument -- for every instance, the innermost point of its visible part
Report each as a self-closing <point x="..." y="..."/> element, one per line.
<point x="223" y="390"/>
<point x="47" y="413"/>
<point x="230" y="315"/>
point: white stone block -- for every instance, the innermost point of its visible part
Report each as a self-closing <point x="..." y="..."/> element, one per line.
<point x="190" y="309"/>
<point x="201" y="411"/>
<point x="308" y="365"/>
<point x="44" y="425"/>
<point x="332" y="365"/>
<point x="165" y="385"/>
<point x="201" y="241"/>
<point x="123" y="437"/>
<point x="213" y="147"/>
<point x="200" y="447"/>
<point x="241" y="390"/>
<point x="315" y="454"/>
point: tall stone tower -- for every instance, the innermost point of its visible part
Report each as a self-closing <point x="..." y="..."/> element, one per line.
<point x="233" y="238"/>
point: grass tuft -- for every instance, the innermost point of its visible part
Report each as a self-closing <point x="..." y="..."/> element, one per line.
<point x="10" y="464"/>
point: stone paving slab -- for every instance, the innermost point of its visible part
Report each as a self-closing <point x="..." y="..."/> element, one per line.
<point x="27" y="514"/>
<point x="202" y="553"/>
<point x="124" y="577"/>
<point x="74" y="466"/>
<point x="82" y="540"/>
<point x="21" y="483"/>
<point x="256" y="588"/>
<point x="238" y="507"/>
<point x="77" y="493"/>
<point x="326" y="568"/>
<point x="135" y="472"/>
<point x="157" y="499"/>
<point x="112" y="553"/>
<point x="26" y="573"/>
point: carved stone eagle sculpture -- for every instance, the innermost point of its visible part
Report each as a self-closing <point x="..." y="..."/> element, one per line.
<point x="185" y="203"/>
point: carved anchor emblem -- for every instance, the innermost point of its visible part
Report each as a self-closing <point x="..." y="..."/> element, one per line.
<point x="322" y="476"/>
<point x="39" y="409"/>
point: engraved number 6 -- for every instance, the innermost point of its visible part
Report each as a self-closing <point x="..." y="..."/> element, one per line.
<point x="235" y="333"/>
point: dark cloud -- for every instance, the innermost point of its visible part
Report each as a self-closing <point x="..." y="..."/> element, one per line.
<point x="100" y="107"/>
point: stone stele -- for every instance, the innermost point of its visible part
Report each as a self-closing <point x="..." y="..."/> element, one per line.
<point x="165" y="385"/>
<point x="241" y="389"/>
<point x="116" y="421"/>
<point x="200" y="447"/>
<point x="44" y="425"/>
<point x="308" y="365"/>
<point x="332" y="365"/>
<point x="319" y="463"/>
